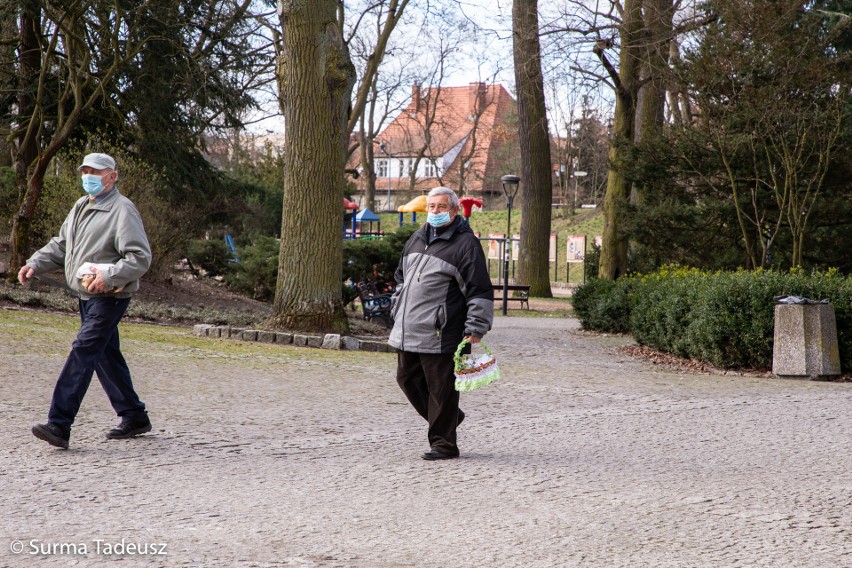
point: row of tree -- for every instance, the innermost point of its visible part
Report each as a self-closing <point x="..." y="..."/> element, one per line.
<point x="731" y="131"/>
<point x="729" y="140"/>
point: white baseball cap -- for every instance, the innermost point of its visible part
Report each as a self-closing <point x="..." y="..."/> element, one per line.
<point x="98" y="162"/>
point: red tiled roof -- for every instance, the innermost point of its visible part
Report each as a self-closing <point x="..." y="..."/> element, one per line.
<point x="452" y="132"/>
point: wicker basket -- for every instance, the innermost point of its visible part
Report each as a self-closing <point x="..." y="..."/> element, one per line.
<point x="474" y="372"/>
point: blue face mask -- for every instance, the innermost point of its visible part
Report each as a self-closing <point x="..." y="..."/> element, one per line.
<point x="438" y="219"/>
<point x="92" y="184"/>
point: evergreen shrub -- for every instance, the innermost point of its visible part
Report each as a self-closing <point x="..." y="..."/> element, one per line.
<point x="257" y="272"/>
<point x="212" y="255"/>
<point x="725" y="318"/>
<point x="364" y="260"/>
<point x="604" y="305"/>
<point x="373" y="260"/>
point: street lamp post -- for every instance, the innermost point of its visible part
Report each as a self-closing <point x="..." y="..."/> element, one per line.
<point x="577" y="174"/>
<point x="510" y="188"/>
<point x="385" y="147"/>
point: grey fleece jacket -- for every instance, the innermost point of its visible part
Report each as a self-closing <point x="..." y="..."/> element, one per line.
<point x="443" y="291"/>
<point x="109" y="232"/>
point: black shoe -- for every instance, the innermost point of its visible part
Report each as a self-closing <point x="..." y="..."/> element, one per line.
<point x="53" y="434"/>
<point x="433" y="455"/>
<point x="130" y="426"/>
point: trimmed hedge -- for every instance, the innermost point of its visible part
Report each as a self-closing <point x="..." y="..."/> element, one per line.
<point x="725" y="318"/>
<point x="603" y="305"/>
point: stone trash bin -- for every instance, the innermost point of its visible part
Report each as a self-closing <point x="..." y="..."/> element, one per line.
<point x="805" y="344"/>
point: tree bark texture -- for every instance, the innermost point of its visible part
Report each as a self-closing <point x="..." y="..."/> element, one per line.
<point x="613" y="262"/>
<point x="537" y="194"/>
<point x="315" y="80"/>
<point x="26" y="148"/>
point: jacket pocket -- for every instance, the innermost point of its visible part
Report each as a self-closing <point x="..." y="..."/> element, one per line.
<point x="440" y="319"/>
<point x="396" y="301"/>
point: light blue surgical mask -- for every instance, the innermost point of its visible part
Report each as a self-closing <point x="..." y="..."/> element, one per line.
<point x="438" y="219"/>
<point x="92" y="184"/>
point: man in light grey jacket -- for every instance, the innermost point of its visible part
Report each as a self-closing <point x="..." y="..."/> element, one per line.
<point x="103" y="249"/>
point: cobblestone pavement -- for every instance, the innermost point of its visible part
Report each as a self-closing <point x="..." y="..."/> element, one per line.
<point x="264" y="455"/>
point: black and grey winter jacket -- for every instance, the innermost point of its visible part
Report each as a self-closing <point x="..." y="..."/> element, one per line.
<point x="443" y="291"/>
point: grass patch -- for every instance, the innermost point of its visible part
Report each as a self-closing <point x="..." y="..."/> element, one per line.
<point x="55" y="332"/>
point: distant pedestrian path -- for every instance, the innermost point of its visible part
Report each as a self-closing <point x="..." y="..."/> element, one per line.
<point x="270" y="456"/>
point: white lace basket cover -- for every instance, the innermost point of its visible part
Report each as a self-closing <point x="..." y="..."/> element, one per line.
<point x="473" y="372"/>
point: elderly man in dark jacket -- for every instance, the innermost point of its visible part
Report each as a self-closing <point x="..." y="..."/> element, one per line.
<point x="443" y="294"/>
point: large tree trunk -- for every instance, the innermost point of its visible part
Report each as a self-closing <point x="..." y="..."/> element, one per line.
<point x="26" y="144"/>
<point x="315" y="80"/>
<point x="8" y="65"/>
<point x="537" y="197"/>
<point x="613" y="262"/>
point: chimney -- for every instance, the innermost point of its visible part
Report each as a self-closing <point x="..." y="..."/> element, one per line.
<point x="415" y="97"/>
<point x="476" y="97"/>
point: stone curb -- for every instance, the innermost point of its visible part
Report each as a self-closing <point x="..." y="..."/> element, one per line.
<point x="327" y="341"/>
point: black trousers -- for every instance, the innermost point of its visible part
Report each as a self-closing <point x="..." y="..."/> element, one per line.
<point x="428" y="382"/>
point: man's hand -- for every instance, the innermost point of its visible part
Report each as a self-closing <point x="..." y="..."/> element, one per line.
<point x="97" y="285"/>
<point x="473" y="338"/>
<point x="25" y="274"/>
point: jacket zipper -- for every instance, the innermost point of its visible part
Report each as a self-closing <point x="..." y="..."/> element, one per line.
<point x="420" y="272"/>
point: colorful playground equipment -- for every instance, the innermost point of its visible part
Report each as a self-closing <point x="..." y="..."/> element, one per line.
<point x="415" y="206"/>
<point x="356" y="221"/>
<point x="467" y="204"/>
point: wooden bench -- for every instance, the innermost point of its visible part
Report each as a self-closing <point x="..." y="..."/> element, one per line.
<point x="374" y="304"/>
<point x="523" y="297"/>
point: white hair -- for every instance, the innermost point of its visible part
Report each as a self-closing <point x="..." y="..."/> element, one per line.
<point x="454" y="199"/>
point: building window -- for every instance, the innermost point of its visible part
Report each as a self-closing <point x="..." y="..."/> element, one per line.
<point x="401" y="167"/>
<point x="431" y="170"/>
<point x="409" y="166"/>
<point x="381" y="168"/>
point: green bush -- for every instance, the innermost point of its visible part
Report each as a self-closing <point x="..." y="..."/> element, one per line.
<point x="209" y="254"/>
<point x="725" y="318"/>
<point x="603" y="305"/>
<point x="732" y="320"/>
<point x="373" y="260"/>
<point x="256" y="273"/>
<point x="662" y="308"/>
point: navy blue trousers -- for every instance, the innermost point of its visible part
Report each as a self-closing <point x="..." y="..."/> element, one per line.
<point x="96" y="348"/>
